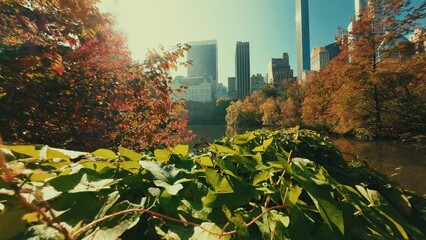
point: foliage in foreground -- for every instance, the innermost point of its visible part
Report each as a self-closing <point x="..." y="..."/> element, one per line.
<point x="289" y="184"/>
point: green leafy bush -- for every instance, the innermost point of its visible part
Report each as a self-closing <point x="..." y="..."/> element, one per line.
<point x="288" y="184"/>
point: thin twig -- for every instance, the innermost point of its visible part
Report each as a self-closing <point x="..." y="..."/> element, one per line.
<point x="133" y="210"/>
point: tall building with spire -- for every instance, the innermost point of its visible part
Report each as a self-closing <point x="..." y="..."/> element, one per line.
<point x="242" y="68"/>
<point x="303" y="37"/>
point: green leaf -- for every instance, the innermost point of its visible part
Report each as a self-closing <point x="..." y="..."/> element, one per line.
<point x="371" y="195"/>
<point x="110" y="201"/>
<point x="165" y="176"/>
<point x="130" y="166"/>
<point x="172" y="189"/>
<point x="267" y="143"/>
<point x="261" y="177"/>
<point x="114" y="227"/>
<point x="212" y="232"/>
<point x="218" y="182"/>
<point x="52" y="153"/>
<point x="98" y="166"/>
<point x="243" y="138"/>
<point x="238" y="222"/>
<point x="41" y="177"/>
<point x="105" y="153"/>
<point x="66" y="182"/>
<point x="293" y="195"/>
<point x="33" y="217"/>
<point x="25" y="150"/>
<point x="205" y="161"/>
<point x="162" y="155"/>
<point x="222" y="149"/>
<point x="181" y="150"/>
<point x="129" y="154"/>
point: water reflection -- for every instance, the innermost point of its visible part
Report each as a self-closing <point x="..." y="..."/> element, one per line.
<point x="404" y="163"/>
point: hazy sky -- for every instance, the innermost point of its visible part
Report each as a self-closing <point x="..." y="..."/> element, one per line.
<point x="269" y="26"/>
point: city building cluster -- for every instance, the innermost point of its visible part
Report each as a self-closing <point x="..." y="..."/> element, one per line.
<point x="202" y="77"/>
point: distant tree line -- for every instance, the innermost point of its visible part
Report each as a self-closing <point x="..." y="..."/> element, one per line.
<point x="207" y="113"/>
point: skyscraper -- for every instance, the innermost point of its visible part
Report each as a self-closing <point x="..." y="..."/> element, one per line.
<point x="360" y="5"/>
<point x="279" y="70"/>
<point x="320" y="58"/>
<point x="232" y="88"/>
<point x="242" y="68"/>
<point x="302" y="35"/>
<point x="256" y="82"/>
<point x="204" y="57"/>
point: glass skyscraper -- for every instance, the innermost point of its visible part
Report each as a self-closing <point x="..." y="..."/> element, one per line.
<point x="204" y="57"/>
<point x="302" y="35"/>
<point x="242" y="68"/>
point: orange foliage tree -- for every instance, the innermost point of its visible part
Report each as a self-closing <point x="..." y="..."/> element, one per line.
<point x="357" y="92"/>
<point x="276" y="105"/>
<point x="67" y="80"/>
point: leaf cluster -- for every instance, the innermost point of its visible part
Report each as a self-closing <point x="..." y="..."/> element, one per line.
<point x="287" y="184"/>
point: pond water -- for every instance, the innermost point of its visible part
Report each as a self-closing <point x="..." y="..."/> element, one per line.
<point x="402" y="162"/>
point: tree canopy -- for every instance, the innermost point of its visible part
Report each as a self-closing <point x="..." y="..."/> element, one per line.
<point x="67" y="79"/>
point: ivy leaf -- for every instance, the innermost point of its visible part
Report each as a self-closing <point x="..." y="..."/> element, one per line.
<point x="261" y="177"/>
<point x="105" y="153"/>
<point x="129" y="154"/>
<point x="52" y="153"/>
<point x="243" y="138"/>
<point x="181" y="150"/>
<point x="218" y="182"/>
<point x="266" y="143"/>
<point x="205" y="161"/>
<point x="213" y="233"/>
<point x="162" y="155"/>
<point x="114" y="227"/>
<point x="86" y="185"/>
<point x="25" y="151"/>
<point x="222" y="149"/>
<point x="165" y="176"/>
<point x="172" y="189"/>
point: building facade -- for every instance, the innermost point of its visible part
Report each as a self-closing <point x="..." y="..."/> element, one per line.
<point x="199" y="89"/>
<point x="418" y="38"/>
<point x="279" y="70"/>
<point x="333" y="50"/>
<point x="302" y="37"/>
<point x="204" y="57"/>
<point x="319" y="59"/>
<point x="242" y="68"/>
<point x="232" y="88"/>
<point x="360" y="5"/>
<point x="256" y="82"/>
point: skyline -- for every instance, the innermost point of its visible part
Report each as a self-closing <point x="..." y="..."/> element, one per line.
<point x="269" y="27"/>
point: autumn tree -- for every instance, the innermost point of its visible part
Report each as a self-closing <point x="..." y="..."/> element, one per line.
<point x="277" y="105"/>
<point x="376" y="36"/>
<point x="67" y="79"/>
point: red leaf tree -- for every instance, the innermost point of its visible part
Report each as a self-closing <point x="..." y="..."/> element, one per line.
<point x="67" y="80"/>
